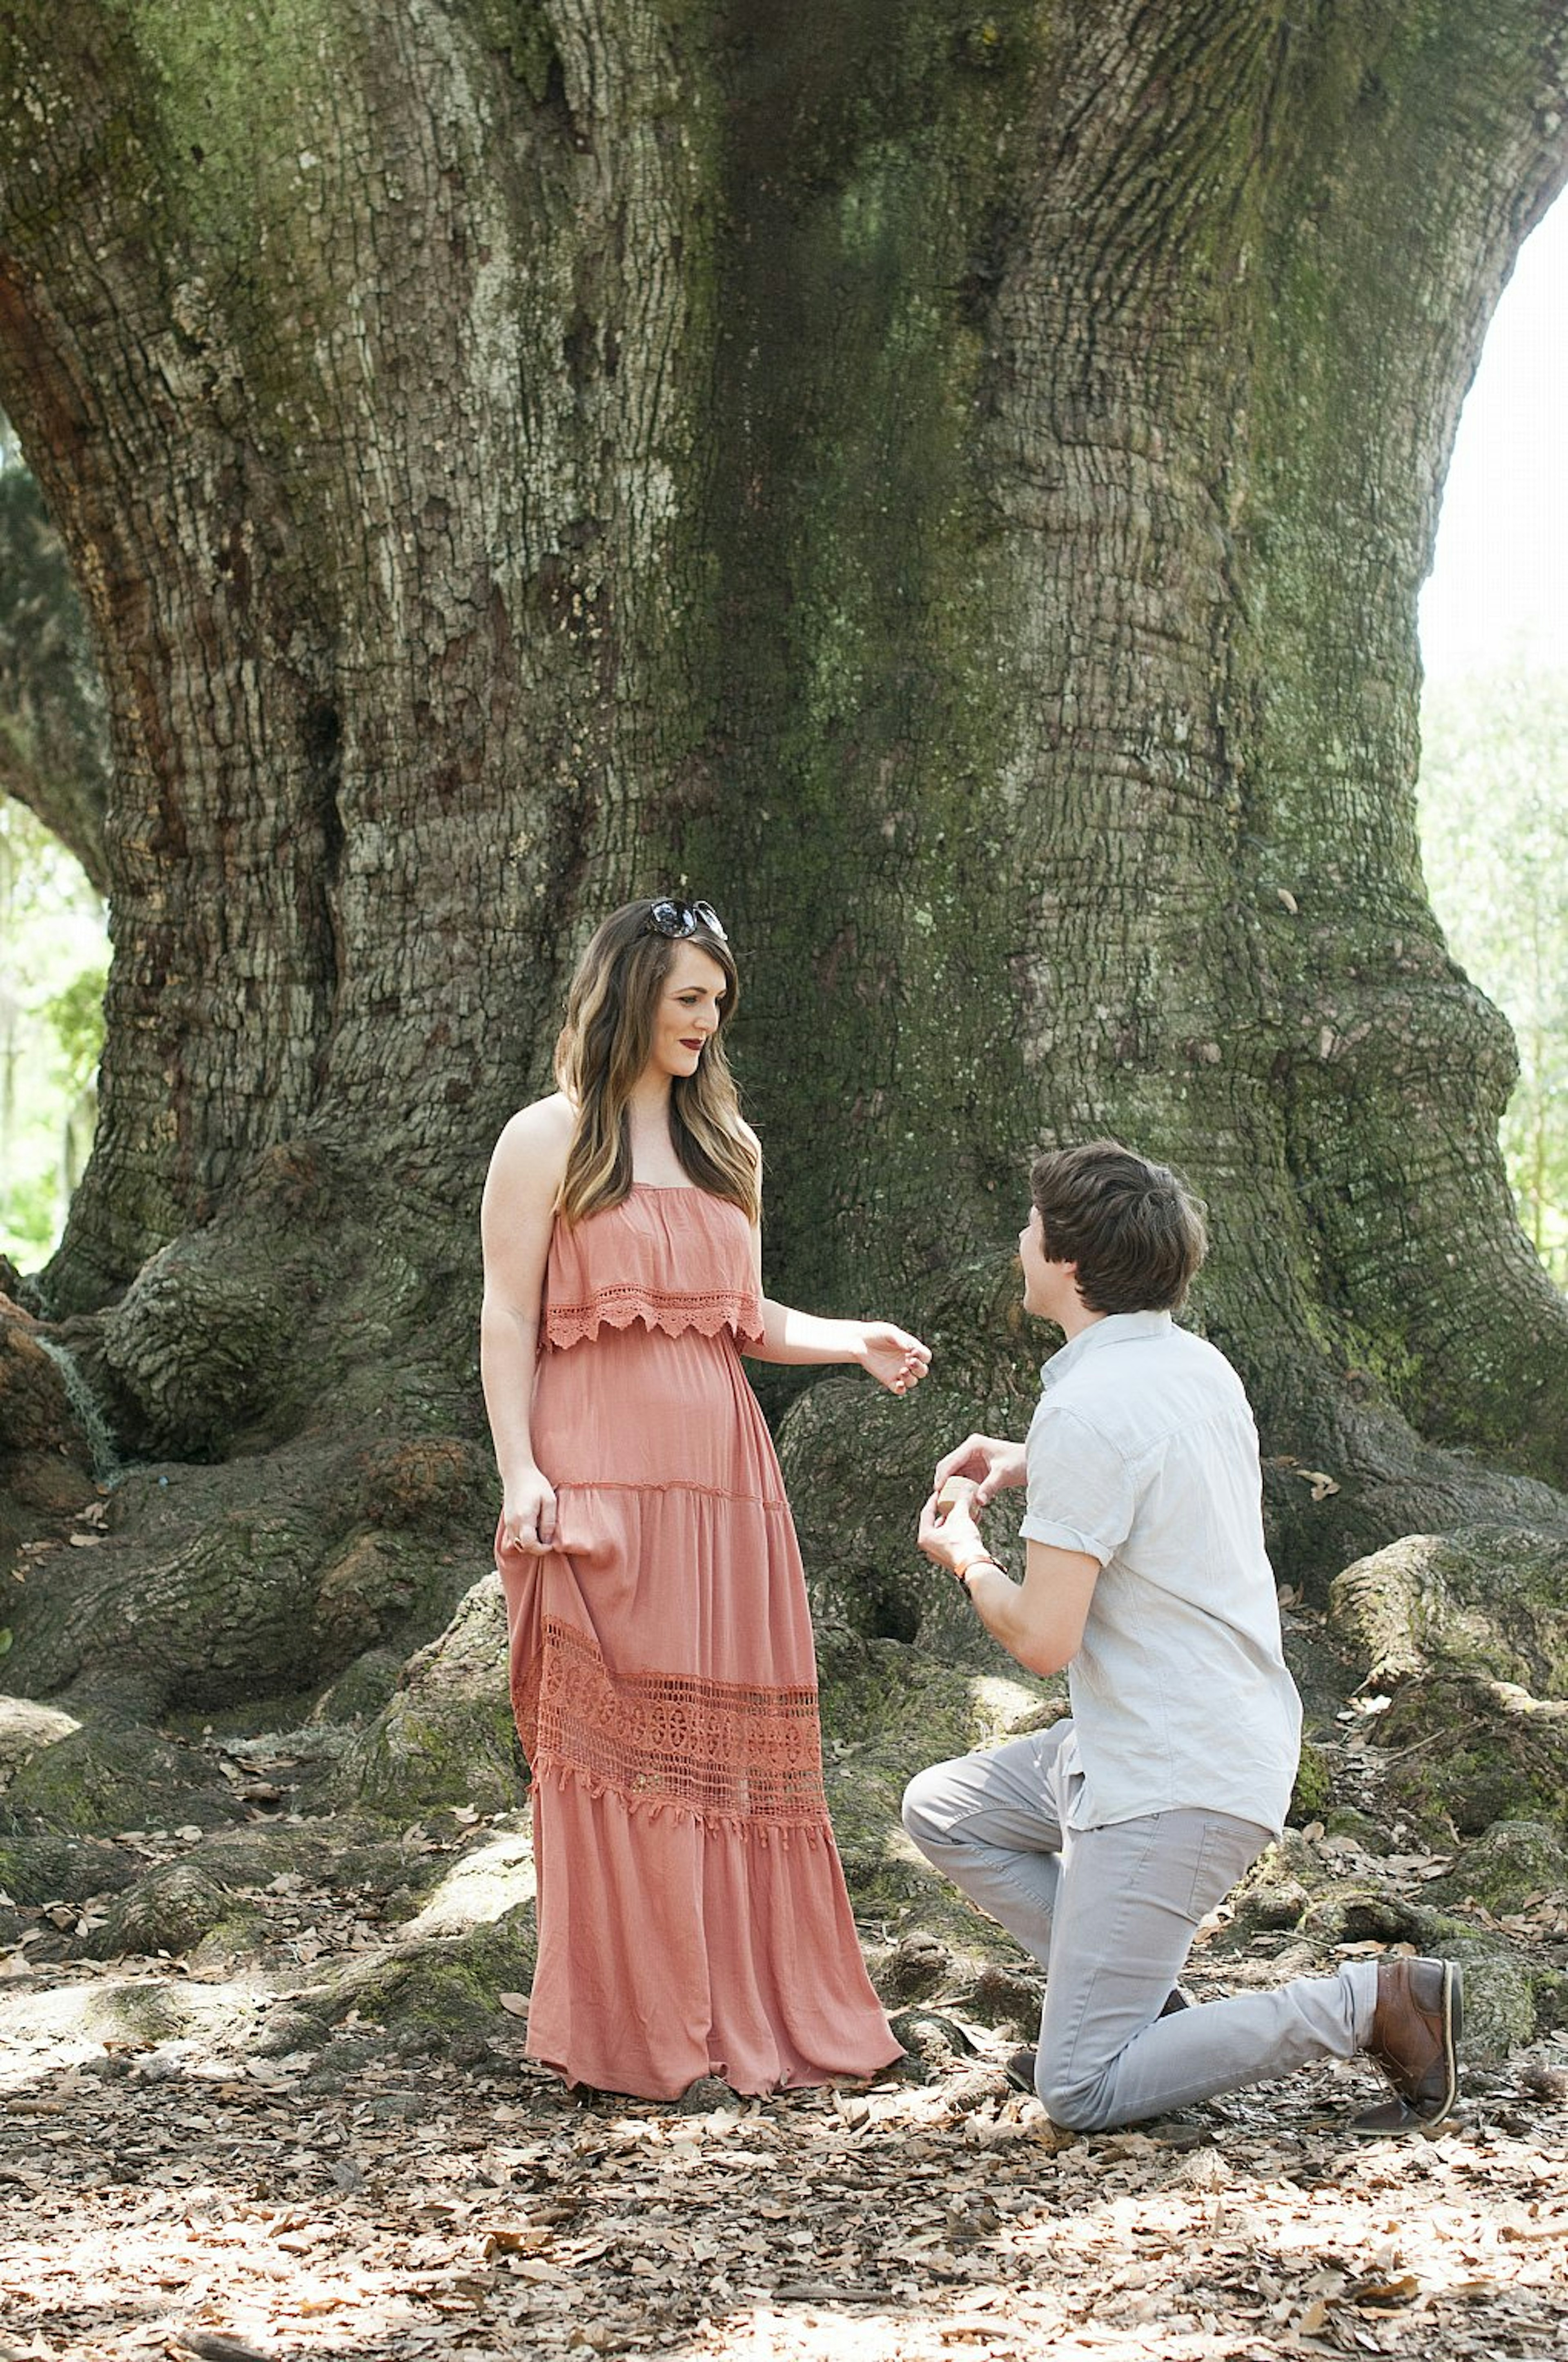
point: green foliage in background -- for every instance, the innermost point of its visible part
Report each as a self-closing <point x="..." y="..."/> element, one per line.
<point x="76" y="1017"/>
<point x="1494" y="795"/>
<point x="53" y="962"/>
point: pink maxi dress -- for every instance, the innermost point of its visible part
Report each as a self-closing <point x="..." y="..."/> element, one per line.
<point x="692" y="1917"/>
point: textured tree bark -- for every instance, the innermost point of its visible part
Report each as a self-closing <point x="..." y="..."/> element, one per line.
<point x="1108" y="408"/>
<point x="953" y="487"/>
<point x="365" y="512"/>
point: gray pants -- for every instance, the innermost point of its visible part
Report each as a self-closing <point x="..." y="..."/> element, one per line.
<point x="1112" y="1913"/>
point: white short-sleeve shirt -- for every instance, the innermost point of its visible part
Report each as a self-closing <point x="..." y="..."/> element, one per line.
<point x="1143" y="1453"/>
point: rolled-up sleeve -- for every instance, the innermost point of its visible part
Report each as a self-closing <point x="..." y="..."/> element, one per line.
<point x="1080" y="1493"/>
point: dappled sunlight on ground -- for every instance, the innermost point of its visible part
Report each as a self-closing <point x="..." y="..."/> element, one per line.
<point x="113" y="2013"/>
<point x="200" y="2194"/>
<point x="496" y="1877"/>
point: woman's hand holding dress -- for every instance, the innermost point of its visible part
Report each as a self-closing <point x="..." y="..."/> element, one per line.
<point x="527" y="1513"/>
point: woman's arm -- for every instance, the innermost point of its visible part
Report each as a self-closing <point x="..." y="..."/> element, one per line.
<point x="516" y="1220"/>
<point x="890" y="1355"/>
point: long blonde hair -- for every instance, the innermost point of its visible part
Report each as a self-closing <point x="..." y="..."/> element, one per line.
<point x="603" y="1051"/>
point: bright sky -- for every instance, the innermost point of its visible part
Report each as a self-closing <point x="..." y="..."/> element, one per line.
<point x="1499" y="585"/>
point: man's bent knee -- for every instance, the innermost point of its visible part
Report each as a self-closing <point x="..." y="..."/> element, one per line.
<point x="928" y="1807"/>
<point x="1078" y="2103"/>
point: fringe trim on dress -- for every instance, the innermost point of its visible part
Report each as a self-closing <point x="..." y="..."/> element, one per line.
<point x="729" y="1754"/>
<point x="784" y="1834"/>
<point x="666" y="1485"/>
<point x="623" y="1306"/>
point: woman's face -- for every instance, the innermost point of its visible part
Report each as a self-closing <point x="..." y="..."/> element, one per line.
<point x="686" y="1013"/>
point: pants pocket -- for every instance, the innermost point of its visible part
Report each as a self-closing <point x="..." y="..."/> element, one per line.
<point x="1226" y="1848"/>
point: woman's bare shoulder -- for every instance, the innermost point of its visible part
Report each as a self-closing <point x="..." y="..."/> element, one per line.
<point x="543" y="1121"/>
<point x="537" y="1137"/>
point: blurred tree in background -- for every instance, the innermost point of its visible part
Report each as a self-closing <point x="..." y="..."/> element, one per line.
<point x="54" y="957"/>
<point x="1494" y="793"/>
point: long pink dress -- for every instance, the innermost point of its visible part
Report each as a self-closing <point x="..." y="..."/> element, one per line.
<point x="692" y="1917"/>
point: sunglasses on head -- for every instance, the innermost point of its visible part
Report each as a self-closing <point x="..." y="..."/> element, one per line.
<point x="677" y="920"/>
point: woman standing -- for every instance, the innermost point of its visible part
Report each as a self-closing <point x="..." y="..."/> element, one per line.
<point x="693" y="1918"/>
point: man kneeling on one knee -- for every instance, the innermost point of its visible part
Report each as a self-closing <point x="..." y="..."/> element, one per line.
<point x="1101" y="1843"/>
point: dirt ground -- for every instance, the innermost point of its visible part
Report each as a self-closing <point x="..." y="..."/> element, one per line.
<point x="173" y="2183"/>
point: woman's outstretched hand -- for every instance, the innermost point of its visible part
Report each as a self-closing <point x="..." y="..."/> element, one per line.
<point x="893" y="1357"/>
<point x="990" y="1462"/>
<point x="528" y="1514"/>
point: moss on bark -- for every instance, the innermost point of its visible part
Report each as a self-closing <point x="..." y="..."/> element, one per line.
<point x="446" y="1736"/>
<point x="889" y="1711"/>
<point x="1463" y="1753"/>
<point x="1487" y="1602"/>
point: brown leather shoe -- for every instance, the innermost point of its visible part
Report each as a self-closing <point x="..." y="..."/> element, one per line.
<point x="1415" y="2040"/>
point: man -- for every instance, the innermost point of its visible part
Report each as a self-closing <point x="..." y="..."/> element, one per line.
<point x="1102" y="1842"/>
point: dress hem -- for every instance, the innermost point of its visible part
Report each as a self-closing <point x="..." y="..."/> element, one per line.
<point x="829" y="2077"/>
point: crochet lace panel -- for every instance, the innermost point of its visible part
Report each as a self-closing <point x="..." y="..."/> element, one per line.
<point x="621" y="1304"/>
<point x="720" y="1751"/>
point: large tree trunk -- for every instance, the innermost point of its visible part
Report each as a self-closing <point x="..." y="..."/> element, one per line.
<point x="955" y="489"/>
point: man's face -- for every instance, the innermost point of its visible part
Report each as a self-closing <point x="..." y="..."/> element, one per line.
<point x="1048" y="1288"/>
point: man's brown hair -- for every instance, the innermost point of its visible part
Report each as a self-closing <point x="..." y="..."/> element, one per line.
<point x="1130" y="1227"/>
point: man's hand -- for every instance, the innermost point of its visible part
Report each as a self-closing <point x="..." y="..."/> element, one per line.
<point x="992" y="1464"/>
<point x="950" y="1535"/>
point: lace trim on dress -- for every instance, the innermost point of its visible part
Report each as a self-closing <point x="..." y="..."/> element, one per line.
<point x="619" y="1305"/>
<point x="664" y="1485"/>
<point x="729" y="1754"/>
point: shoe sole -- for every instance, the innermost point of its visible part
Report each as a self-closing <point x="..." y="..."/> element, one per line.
<point x="1019" y="2074"/>
<point x="1454" y="2029"/>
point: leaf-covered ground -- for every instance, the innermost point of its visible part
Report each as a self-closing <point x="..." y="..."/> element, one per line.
<point x="307" y="2129"/>
<point x="173" y="2183"/>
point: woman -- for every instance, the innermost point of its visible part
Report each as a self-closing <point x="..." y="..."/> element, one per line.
<point x="693" y="1918"/>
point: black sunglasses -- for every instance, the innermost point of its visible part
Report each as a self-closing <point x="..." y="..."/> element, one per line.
<point x="678" y="920"/>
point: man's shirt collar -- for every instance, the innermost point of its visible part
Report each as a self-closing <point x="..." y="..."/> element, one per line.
<point x="1115" y="1328"/>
